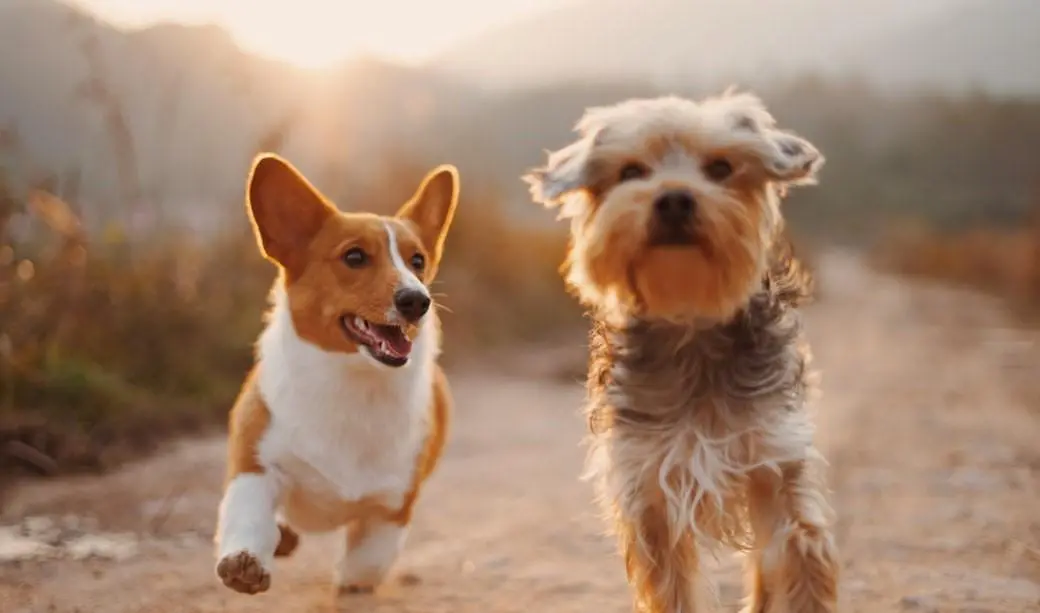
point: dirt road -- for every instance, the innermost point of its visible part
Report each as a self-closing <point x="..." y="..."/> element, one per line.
<point x="927" y="417"/>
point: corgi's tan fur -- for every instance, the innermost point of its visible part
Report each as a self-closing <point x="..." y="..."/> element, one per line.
<point x="345" y="414"/>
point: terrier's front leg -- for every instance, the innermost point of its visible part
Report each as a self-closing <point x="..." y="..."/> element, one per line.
<point x="247" y="532"/>
<point x="795" y="565"/>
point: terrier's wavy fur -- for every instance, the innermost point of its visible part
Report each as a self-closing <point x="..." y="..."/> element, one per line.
<point x="699" y="374"/>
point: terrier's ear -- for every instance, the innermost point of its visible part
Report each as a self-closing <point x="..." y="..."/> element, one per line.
<point x="789" y="158"/>
<point x="286" y="210"/>
<point x="566" y="172"/>
<point x="780" y="155"/>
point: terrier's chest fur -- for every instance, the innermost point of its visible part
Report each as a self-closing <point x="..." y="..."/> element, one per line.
<point x="657" y="373"/>
<point x="697" y="408"/>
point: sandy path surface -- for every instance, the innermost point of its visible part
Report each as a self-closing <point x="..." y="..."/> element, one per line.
<point x="930" y="418"/>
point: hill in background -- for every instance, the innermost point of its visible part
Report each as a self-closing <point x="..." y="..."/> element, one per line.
<point x="164" y="121"/>
<point x="950" y="45"/>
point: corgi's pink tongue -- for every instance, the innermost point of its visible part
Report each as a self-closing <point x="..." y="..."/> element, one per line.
<point x="400" y="346"/>
<point x="393" y="340"/>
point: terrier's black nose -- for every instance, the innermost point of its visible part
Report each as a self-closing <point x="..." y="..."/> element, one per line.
<point x="675" y="207"/>
<point x="412" y="304"/>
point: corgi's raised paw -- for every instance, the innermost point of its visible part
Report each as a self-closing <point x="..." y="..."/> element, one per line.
<point x="244" y="573"/>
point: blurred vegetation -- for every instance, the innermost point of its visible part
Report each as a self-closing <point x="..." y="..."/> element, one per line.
<point x="111" y="344"/>
<point x="998" y="260"/>
<point x="111" y="341"/>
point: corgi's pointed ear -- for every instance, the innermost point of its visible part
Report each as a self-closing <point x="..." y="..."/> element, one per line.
<point x="431" y="209"/>
<point x="285" y="209"/>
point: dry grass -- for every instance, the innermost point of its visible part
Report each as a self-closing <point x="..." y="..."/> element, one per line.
<point x="1003" y="262"/>
<point x="108" y="346"/>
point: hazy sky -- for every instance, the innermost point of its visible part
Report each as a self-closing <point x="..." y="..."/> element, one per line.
<point x="316" y="32"/>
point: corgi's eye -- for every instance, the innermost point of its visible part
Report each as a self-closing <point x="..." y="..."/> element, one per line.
<point x="632" y="171"/>
<point x="718" y="170"/>
<point x="418" y="262"/>
<point x="355" y="257"/>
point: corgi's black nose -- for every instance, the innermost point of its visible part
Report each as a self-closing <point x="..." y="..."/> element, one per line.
<point x="412" y="304"/>
<point x="675" y="207"/>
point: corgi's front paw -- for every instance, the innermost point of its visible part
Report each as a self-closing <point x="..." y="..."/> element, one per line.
<point x="243" y="572"/>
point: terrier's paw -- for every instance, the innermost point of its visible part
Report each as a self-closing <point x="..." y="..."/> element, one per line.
<point x="243" y="572"/>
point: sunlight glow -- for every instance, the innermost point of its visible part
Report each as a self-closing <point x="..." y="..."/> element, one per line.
<point x="316" y="33"/>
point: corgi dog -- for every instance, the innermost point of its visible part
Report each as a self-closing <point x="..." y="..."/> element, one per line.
<point x="344" y="416"/>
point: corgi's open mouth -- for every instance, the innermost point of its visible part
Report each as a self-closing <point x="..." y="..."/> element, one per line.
<point x="386" y="343"/>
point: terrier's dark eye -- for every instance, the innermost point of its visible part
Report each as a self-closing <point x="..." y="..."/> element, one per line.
<point x="355" y="257"/>
<point x="632" y="171"/>
<point x="418" y="262"/>
<point x="718" y="170"/>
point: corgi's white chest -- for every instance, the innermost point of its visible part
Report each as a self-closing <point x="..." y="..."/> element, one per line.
<point x="351" y="445"/>
<point x="341" y="426"/>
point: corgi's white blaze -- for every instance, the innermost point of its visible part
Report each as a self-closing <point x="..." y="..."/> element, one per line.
<point x="407" y="279"/>
<point x="342" y="424"/>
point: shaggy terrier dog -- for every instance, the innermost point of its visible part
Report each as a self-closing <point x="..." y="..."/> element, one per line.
<point x="699" y="372"/>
